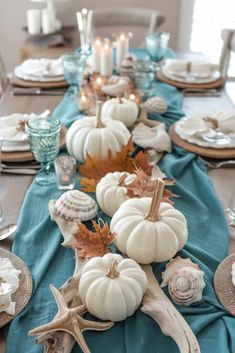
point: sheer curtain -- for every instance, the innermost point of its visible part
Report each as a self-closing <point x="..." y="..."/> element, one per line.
<point x="209" y="18"/>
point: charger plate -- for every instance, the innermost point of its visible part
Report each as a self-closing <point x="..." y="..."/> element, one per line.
<point x="223" y="285"/>
<point x="22" y="295"/>
<point x="209" y="85"/>
<point x="222" y="153"/>
<point x="24" y="156"/>
<point x="15" y="81"/>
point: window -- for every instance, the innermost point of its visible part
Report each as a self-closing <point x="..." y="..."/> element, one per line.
<point x="210" y="17"/>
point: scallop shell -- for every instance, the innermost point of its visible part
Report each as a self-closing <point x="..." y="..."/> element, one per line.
<point x="118" y="88"/>
<point x="185" y="281"/>
<point x="75" y="205"/>
<point x="155" y="105"/>
<point x="155" y="138"/>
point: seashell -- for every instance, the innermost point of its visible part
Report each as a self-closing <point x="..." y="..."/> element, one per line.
<point x="155" y="138"/>
<point x="119" y="88"/>
<point x="155" y="105"/>
<point x="75" y="205"/>
<point x="233" y="274"/>
<point x="185" y="281"/>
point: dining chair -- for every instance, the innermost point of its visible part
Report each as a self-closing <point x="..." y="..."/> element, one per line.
<point x="3" y="77"/>
<point x="228" y="36"/>
<point x="128" y="17"/>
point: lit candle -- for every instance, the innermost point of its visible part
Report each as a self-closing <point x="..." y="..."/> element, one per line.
<point x="132" y="97"/>
<point x="106" y="65"/>
<point x="122" y="49"/>
<point x="96" y="55"/>
<point x="84" y="103"/>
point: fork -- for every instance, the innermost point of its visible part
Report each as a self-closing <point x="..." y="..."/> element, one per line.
<point x="217" y="165"/>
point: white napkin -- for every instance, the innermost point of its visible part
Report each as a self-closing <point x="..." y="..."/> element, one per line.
<point x="9" y="284"/>
<point x="183" y="67"/>
<point x="13" y="138"/>
<point x="42" y="67"/>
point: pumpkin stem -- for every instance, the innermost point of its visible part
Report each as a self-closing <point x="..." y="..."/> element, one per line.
<point x="120" y="99"/>
<point x="213" y="121"/>
<point x="153" y="214"/>
<point x="122" y="180"/>
<point x="98" y="115"/>
<point x="112" y="272"/>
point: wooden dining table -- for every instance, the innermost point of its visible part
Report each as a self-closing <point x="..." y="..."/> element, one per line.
<point x="14" y="187"/>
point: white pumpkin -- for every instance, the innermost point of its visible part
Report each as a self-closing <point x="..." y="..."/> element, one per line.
<point x="121" y="109"/>
<point x="148" y="230"/>
<point x="93" y="137"/>
<point x="111" y="287"/>
<point x="111" y="191"/>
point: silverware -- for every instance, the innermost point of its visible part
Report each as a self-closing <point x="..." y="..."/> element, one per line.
<point x="38" y="92"/>
<point x="201" y="94"/>
<point x="19" y="171"/>
<point x="20" y="166"/>
<point x="7" y="231"/>
<point x="218" y="164"/>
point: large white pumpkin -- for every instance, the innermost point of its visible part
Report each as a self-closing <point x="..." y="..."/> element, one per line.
<point x="149" y="230"/>
<point x="111" y="287"/>
<point x="111" y="191"/>
<point x="121" y="109"/>
<point x="93" y="137"/>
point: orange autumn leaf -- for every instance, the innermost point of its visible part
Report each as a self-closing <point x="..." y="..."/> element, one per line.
<point x="143" y="186"/>
<point x="96" y="168"/>
<point x="89" y="243"/>
<point x="88" y="185"/>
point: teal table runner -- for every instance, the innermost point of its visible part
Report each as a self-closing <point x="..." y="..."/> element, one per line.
<point x="38" y="240"/>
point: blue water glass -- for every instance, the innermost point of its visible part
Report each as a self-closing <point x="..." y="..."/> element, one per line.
<point x="74" y="64"/>
<point x="44" y="140"/>
<point x="156" y="45"/>
<point x="144" y="74"/>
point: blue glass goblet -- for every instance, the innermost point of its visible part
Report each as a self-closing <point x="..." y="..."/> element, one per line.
<point x="156" y="45"/>
<point x="74" y="64"/>
<point x="44" y="141"/>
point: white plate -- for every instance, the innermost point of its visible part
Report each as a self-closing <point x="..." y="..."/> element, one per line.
<point x="13" y="140"/>
<point x="20" y="74"/>
<point x="190" y="78"/>
<point x="197" y="139"/>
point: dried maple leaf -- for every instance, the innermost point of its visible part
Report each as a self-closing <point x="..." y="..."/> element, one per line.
<point x="143" y="186"/>
<point x="88" y="185"/>
<point x="95" y="168"/>
<point x="90" y="244"/>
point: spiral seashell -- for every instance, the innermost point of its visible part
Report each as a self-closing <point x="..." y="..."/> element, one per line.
<point x="155" y="105"/>
<point x="118" y="88"/>
<point x="74" y="205"/>
<point x="185" y="281"/>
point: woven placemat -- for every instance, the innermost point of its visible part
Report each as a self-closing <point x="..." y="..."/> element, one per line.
<point x="182" y="85"/>
<point x="22" y="295"/>
<point x="15" y="81"/>
<point x="24" y="156"/>
<point x="223" y="285"/>
<point x="222" y="153"/>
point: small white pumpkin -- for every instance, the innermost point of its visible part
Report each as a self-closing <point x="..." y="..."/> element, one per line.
<point x="121" y="109"/>
<point x="149" y="230"/>
<point x="111" y="287"/>
<point x="93" y="137"/>
<point x="111" y="191"/>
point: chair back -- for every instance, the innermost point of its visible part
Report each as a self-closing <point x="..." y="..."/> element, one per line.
<point x="3" y="77"/>
<point x="228" y="36"/>
<point x="138" y="17"/>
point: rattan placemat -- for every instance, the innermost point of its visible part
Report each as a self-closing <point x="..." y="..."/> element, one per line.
<point x="224" y="287"/>
<point x="22" y="295"/>
<point x="24" y="156"/>
<point x="222" y="153"/>
<point x="182" y="85"/>
<point x="15" y="81"/>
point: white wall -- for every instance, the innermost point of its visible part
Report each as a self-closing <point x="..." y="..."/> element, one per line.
<point x="13" y="18"/>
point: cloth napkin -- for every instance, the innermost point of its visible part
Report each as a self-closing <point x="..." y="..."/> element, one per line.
<point x="42" y="67"/>
<point x="14" y="139"/>
<point x="184" y="67"/>
<point x="38" y="239"/>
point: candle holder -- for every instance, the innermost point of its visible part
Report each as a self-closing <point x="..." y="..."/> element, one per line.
<point x="86" y="101"/>
<point x="65" y="168"/>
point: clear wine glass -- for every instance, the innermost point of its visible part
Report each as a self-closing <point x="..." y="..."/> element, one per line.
<point x="44" y="141"/>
